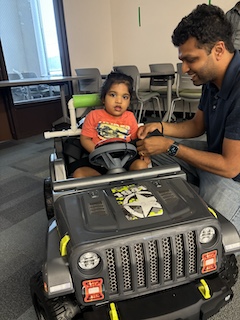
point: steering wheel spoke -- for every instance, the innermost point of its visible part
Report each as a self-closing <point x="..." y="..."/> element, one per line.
<point x="113" y="155"/>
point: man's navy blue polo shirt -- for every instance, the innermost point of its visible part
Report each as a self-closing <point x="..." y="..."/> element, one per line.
<point x="222" y="108"/>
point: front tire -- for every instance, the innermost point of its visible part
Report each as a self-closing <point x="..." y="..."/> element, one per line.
<point x="48" y="198"/>
<point x="229" y="270"/>
<point x="60" y="308"/>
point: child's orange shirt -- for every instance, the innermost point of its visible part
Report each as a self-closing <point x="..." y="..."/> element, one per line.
<point x="100" y="125"/>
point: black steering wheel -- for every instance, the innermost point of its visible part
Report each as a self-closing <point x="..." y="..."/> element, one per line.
<point x="113" y="154"/>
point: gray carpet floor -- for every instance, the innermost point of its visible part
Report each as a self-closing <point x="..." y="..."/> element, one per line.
<point x="23" y="226"/>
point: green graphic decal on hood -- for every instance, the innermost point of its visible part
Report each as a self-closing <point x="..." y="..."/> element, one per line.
<point x="137" y="201"/>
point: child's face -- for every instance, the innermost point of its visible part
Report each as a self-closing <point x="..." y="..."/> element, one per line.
<point x="117" y="99"/>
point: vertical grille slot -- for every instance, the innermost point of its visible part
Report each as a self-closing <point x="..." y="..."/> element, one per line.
<point x="126" y="268"/>
<point x="141" y="275"/>
<point x="192" y="252"/>
<point x="146" y="264"/>
<point x="180" y="256"/>
<point x="112" y="274"/>
<point x="153" y="262"/>
<point x="167" y="259"/>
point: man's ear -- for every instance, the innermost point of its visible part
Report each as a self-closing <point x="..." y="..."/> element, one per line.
<point x="219" y="49"/>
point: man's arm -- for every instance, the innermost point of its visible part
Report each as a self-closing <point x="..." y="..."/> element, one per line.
<point x="226" y="164"/>
<point x="185" y="130"/>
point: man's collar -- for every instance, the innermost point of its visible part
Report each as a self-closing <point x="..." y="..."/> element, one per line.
<point x="230" y="76"/>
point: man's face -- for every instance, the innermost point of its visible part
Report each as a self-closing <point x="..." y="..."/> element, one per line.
<point x="198" y="63"/>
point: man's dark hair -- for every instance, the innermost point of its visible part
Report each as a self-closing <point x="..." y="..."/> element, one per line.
<point x="116" y="77"/>
<point x="208" y="24"/>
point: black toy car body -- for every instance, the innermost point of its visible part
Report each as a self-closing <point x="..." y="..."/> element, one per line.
<point x="132" y="245"/>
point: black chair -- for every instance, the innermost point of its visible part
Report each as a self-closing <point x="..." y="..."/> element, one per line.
<point x="186" y="91"/>
<point x="140" y="98"/>
<point x="159" y="83"/>
<point x="36" y="91"/>
<point x="91" y="81"/>
<point x="18" y="93"/>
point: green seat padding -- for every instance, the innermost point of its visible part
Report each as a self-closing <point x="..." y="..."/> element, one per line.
<point x="86" y="100"/>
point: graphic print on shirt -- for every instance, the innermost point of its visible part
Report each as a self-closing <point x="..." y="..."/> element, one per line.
<point x="137" y="202"/>
<point x="107" y="130"/>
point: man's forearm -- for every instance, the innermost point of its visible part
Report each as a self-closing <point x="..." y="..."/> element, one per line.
<point x="184" y="130"/>
<point x="207" y="161"/>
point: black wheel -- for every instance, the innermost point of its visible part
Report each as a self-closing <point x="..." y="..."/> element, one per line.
<point x="229" y="269"/>
<point x="61" y="308"/>
<point x="48" y="198"/>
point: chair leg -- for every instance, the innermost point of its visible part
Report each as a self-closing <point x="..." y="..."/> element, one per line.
<point x="136" y="110"/>
<point x="154" y="110"/>
<point x="159" y="107"/>
<point x="163" y="104"/>
<point x="171" y="111"/>
<point x="172" y="107"/>
<point x="190" y="109"/>
<point x="140" y="112"/>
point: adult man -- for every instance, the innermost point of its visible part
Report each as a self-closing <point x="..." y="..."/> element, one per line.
<point x="205" y="47"/>
<point x="233" y="15"/>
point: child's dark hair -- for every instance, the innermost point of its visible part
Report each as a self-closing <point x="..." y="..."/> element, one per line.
<point x="116" y="77"/>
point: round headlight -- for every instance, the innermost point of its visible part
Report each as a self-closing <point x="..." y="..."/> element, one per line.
<point x="207" y="234"/>
<point x="88" y="260"/>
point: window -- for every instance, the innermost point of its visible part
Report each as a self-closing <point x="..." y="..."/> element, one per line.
<point x="30" y="46"/>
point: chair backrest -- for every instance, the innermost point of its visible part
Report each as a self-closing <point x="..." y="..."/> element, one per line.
<point x="132" y="71"/>
<point x="40" y="88"/>
<point x="91" y="81"/>
<point x="13" y="76"/>
<point x="184" y="80"/>
<point x="185" y="89"/>
<point x="164" y="68"/>
<point x="19" y="93"/>
<point x="29" y="75"/>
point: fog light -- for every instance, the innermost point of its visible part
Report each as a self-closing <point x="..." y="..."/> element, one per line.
<point x="207" y="234"/>
<point x="88" y="261"/>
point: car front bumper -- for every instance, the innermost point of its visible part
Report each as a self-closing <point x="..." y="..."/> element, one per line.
<point x="183" y="302"/>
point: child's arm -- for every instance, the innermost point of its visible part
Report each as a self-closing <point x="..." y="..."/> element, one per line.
<point x="87" y="143"/>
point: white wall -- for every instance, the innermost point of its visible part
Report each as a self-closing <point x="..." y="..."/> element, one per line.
<point x="103" y="33"/>
<point x="89" y="33"/>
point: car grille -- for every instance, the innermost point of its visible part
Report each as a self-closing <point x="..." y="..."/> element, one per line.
<point x="151" y="263"/>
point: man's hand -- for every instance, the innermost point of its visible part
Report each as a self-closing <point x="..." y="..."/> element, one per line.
<point x="153" y="145"/>
<point x="143" y="131"/>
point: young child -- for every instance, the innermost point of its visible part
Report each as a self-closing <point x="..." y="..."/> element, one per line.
<point x="114" y="121"/>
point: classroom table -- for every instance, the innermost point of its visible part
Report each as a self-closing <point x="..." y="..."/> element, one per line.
<point x="50" y="80"/>
<point x="169" y="77"/>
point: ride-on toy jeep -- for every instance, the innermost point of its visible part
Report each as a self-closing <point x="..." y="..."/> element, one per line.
<point x="131" y="245"/>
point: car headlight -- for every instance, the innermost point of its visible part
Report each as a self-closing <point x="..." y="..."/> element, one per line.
<point x="207" y="234"/>
<point x="88" y="261"/>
